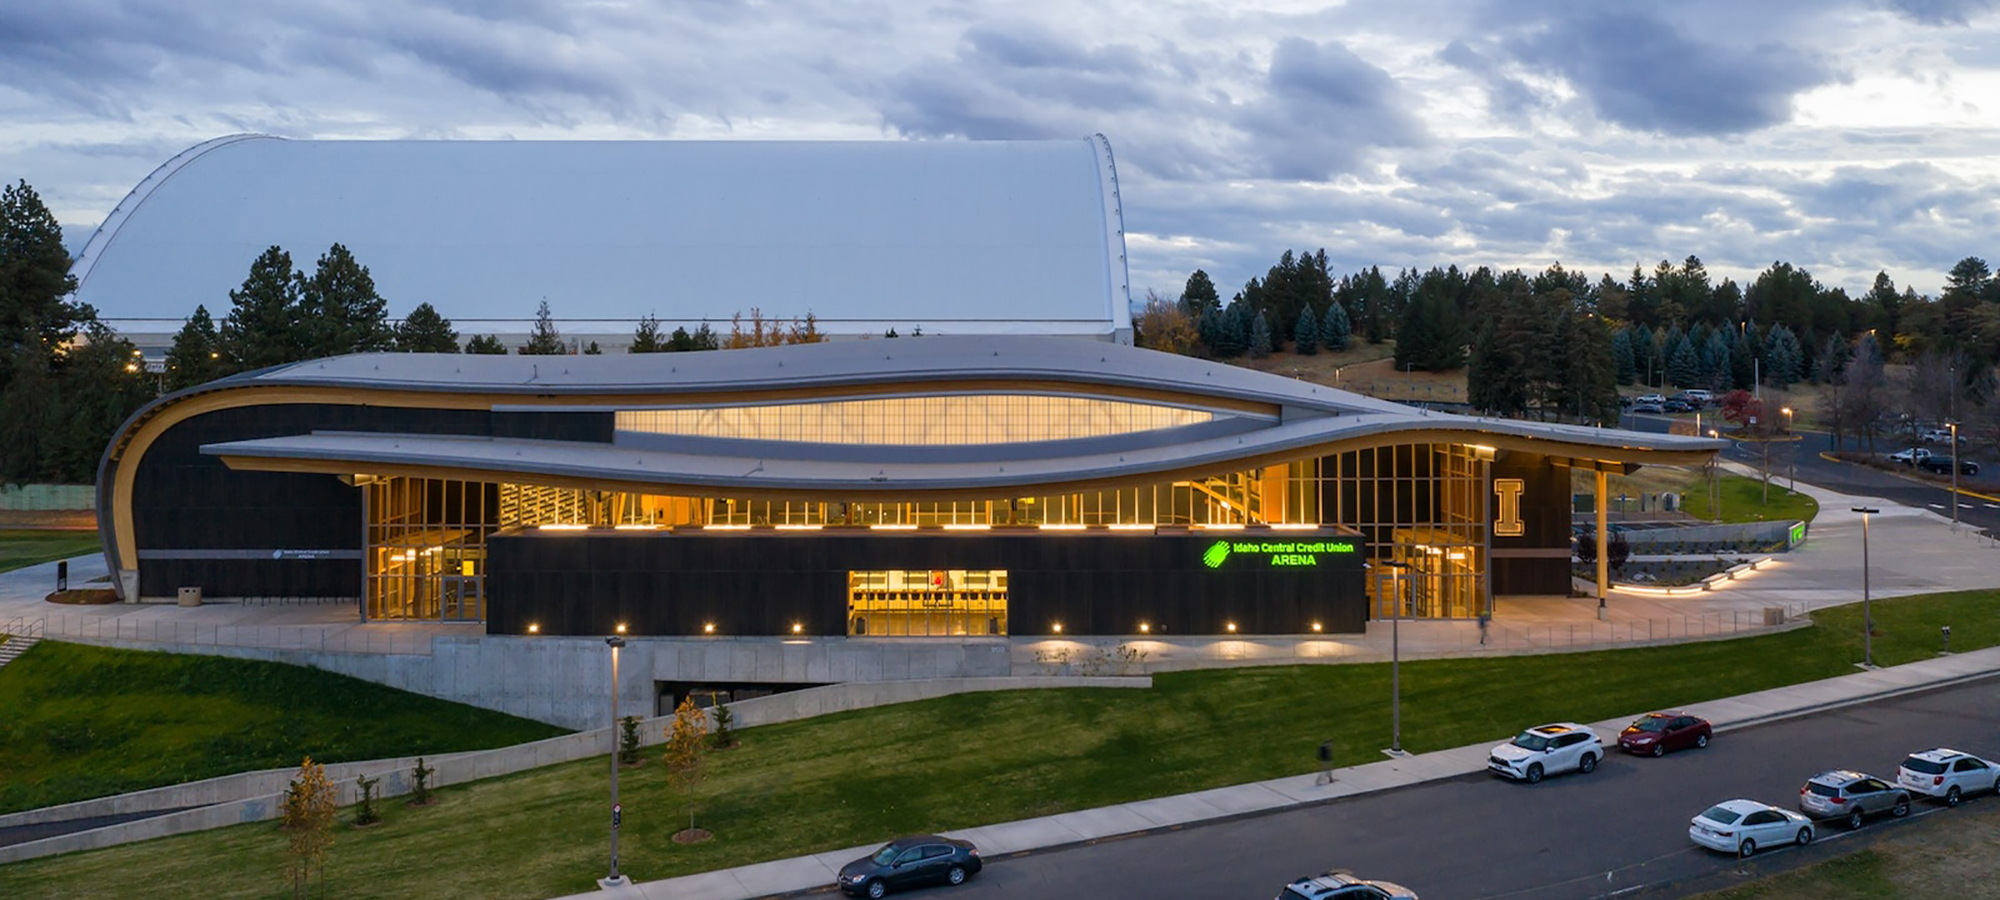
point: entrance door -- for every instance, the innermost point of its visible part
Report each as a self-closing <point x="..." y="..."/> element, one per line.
<point x="460" y="598"/>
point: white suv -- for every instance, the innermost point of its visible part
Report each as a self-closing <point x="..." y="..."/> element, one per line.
<point x="1547" y="750"/>
<point x="1338" y="885"/>
<point x="1948" y="774"/>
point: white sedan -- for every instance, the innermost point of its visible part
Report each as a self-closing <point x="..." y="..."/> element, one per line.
<point x="1742" y="826"/>
<point x="1948" y="774"/>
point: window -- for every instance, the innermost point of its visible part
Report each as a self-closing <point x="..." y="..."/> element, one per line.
<point x="1968" y="765"/>
<point x="935" y="851"/>
<point x="1762" y="817"/>
<point x="917" y="421"/>
<point x="911" y="855"/>
<point x="927" y="602"/>
<point x="1869" y="785"/>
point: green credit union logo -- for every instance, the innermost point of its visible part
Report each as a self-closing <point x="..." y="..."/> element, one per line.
<point x="1275" y="553"/>
<point x="1215" y="554"/>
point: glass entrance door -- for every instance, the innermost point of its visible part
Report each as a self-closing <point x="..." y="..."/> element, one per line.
<point x="459" y="598"/>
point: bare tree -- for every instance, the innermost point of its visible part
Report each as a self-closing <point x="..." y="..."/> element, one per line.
<point x="1866" y="398"/>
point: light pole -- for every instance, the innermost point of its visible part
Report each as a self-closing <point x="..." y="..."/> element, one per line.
<point x="614" y="879"/>
<point x="1714" y="483"/>
<point x="1396" y="664"/>
<point x="1954" y="474"/>
<point x="1792" y="458"/>
<point x="1867" y="614"/>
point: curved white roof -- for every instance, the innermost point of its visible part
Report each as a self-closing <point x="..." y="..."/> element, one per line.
<point x="955" y="237"/>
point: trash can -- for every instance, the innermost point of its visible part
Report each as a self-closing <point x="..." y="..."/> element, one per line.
<point x="190" y="596"/>
<point x="1774" y="615"/>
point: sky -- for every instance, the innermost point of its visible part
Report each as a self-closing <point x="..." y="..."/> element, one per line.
<point x="1843" y="136"/>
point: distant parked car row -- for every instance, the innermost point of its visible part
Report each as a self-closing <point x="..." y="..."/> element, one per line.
<point x="1685" y="401"/>
<point x="1935" y="463"/>
<point x="1743" y="826"/>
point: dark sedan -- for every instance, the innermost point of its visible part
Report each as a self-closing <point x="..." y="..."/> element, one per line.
<point x="1940" y="464"/>
<point x="909" y="862"/>
<point x="1657" y="733"/>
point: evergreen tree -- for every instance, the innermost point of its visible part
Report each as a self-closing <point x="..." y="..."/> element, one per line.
<point x="1785" y="357"/>
<point x="36" y="314"/>
<point x="1715" y="372"/>
<point x="1591" y="375"/>
<point x="1374" y="293"/>
<point x="196" y="355"/>
<point x="1495" y="381"/>
<point x="262" y="328"/>
<point x="1335" y="329"/>
<point x="1260" y="337"/>
<point x="705" y="338"/>
<point x="544" y="340"/>
<point x="340" y="311"/>
<point x="1685" y="365"/>
<point x="1646" y="355"/>
<point x="1621" y="356"/>
<point x="1305" y="335"/>
<point x="102" y="383"/>
<point x="591" y="349"/>
<point x="1200" y="295"/>
<point x="485" y="345"/>
<point x="646" y="338"/>
<point x="425" y="331"/>
<point x="1234" y="332"/>
<point x="1209" y="327"/>
<point x="1742" y="364"/>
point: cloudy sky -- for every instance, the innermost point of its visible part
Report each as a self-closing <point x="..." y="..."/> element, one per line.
<point x="1845" y="136"/>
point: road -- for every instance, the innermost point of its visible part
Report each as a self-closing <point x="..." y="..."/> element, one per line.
<point x="1481" y="838"/>
<point x="1849" y="478"/>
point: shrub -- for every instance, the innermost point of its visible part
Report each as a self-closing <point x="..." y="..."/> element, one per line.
<point x="628" y="741"/>
<point x="420" y="783"/>
<point x="364" y="814"/>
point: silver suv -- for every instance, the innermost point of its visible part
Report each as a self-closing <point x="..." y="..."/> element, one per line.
<point x="1338" y="885"/>
<point x="1853" y="796"/>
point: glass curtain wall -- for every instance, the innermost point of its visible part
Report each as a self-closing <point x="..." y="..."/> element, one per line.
<point x="425" y="547"/>
<point x="1421" y="506"/>
<point x="927" y="603"/>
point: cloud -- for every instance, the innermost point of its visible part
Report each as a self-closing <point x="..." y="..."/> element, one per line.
<point x="1645" y="73"/>
<point x="1323" y="111"/>
<point x="1942" y="12"/>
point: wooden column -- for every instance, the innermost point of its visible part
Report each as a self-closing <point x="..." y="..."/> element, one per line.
<point x="1603" y="544"/>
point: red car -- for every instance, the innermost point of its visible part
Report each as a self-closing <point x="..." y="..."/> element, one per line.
<point x="1656" y="733"/>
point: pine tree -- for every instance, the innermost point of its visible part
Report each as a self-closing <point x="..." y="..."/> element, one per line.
<point x="1685" y="365"/>
<point x="704" y="338"/>
<point x="1260" y="336"/>
<point x="646" y="338"/>
<point x="1200" y="295"/>
<point x="1234" y="332"/>
<point x="35" y="313"/>
<point x="544" y="340"/>
<point x="485" y="345"/>
<point x="1592" y="375"/>
<point x="262" y="328"/>
<point x="1209" y="327"/>
<point x="196" y="355"/>
<point x="1335" y="329"/>
<point x="425" y="331"/>
<point x="339" y="309"/>
<point x="1784" y="355"/>
<point x="1621" y="356"/>
<point x="591" y="349"/>
<point x="1305" y="335"/>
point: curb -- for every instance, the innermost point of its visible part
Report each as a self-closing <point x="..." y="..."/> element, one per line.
<point x="1892" y="473"/>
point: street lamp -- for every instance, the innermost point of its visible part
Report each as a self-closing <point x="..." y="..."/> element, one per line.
<point x="1714" y="483"/>
<point x="1792" y="458"/>
<point x="1396" y="665"/>
<point x="1954" y="474"/>
<point x="617" y="812"/>
<point x="1867" y="615"/>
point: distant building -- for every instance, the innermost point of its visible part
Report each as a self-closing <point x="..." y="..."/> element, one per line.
<point x="942" y="237"/>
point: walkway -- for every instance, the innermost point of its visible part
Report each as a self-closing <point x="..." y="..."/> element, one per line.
<point x="1049" y="832"/>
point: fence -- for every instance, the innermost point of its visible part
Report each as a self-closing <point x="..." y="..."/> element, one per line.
<point x="1606" y="635"/>
<point x="333" y="638"/>
<point x="46" y="497"/>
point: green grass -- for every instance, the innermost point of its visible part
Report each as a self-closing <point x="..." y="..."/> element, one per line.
<point x="20" y="548"/>
<point x="1743" y="501"/>
<point x="1855" y="876"/>
<point x="975" y="759"/>
<point x="86" y="722"/>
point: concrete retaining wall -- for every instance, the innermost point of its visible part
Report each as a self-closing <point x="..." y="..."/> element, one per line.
<point x="257" y="796"/>
<point x="1746" y="532"/>
<point x="48" y="497"/>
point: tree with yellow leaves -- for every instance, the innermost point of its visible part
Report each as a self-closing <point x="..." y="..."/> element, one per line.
<point x="308" y="816"/>
<point x="687" y="745"/>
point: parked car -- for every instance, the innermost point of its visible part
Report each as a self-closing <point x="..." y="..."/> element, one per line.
<point x="1338" y="885"/>
<point x="1911" y="456"/>
<point x="1940" y="464"/>
<point x="1698" y="398"/>
<point x="1938" y="436"/>
<point x="1948" y="774"/>
<point x="1643" y="405"/>
<point x="1742" y="826"/>
<point x="1657" y="733"/>
<point x="1547" y="750"/>
<point x="1851" y="795"/>
<point x="1652" y="398"/>
<point x="909" y="862"/>
<point x="1678" y="406"/>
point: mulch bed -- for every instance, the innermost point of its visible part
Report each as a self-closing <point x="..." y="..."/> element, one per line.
<point x="84" y="596"/>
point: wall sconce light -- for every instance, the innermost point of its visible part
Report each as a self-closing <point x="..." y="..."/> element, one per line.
<point x="1145" y="628"/>
<point x="708" y="628"/>
<point x="534" y="628"/>
<point x="1232" y="628"/>
<point x="798" y="628"/>
<point x="1057" y="628"/>
<point x="621" y="628"/>
<point x="1316" y="628"/>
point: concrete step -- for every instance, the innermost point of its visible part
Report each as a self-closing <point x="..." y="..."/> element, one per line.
<point x="14" y="647"/>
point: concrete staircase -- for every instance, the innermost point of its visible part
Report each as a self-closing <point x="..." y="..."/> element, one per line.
<point x="22" y="635"/>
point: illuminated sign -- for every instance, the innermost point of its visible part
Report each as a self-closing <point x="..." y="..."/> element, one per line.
<point x="1274" y="553"/>
<point x="1798" y="533"/>
<point x="1507" y="518"/>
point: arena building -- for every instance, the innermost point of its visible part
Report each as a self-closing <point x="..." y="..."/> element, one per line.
<point x="936" y="486"/>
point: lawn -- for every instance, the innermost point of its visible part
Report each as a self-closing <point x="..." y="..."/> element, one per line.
<point x="1743" y="501"/>
<point x="26" y="547"/>
<point x="974" y="759"/>
<point x="86" y="722"/>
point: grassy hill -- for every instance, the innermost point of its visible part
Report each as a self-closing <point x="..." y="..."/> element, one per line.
<point x="85" y="722"/>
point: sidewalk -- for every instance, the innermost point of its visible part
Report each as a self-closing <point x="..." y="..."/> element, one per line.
<point x="817" y="871"/>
